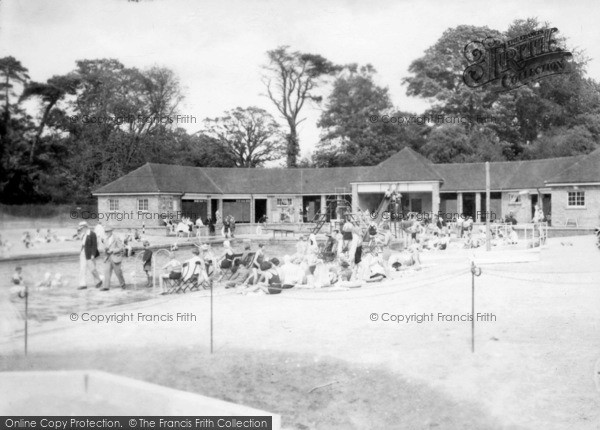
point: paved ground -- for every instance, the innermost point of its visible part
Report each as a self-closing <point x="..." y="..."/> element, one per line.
<point x="533" y="365"/>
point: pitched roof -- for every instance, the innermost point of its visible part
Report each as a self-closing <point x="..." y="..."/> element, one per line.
<point x="167" y="178"/>
<point x="504" y="175"/>
<point x="406" y="166"/>
<point x="586" y="169"/>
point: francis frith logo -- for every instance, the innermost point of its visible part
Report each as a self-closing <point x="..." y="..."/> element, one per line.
<point x="513" y="63"/>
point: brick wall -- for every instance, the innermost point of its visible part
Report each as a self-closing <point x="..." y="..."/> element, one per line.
<point x="128" y="214"/>
<point x="521" y="211"/>
<point x="588" y="216"/>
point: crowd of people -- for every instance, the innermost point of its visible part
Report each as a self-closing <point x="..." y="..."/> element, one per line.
<point x="351" y="255"/>
<point x="339" y="261"/>
<point x="186" y="227"/>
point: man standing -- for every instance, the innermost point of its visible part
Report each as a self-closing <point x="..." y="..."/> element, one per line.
<point x="87" y="255"/>
<point x="114" y="256"/>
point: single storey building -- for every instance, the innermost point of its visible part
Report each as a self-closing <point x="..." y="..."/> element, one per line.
<point x="568" y="190"/>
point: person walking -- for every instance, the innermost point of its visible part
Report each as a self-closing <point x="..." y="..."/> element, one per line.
<point x="87" y="255"/>
<point x="114" y="257"/>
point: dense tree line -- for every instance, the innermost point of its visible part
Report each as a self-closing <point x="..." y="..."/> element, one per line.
<point x="104" y="119"/>
<point x="552" y="117"/>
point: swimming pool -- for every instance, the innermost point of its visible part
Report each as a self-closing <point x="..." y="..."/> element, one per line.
<point x="47" y="304"/>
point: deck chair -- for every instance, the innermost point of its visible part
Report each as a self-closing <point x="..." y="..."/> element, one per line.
<point x="193" y="281"/>
<point x="173" y="285"/>
<point x="227" y="273"/>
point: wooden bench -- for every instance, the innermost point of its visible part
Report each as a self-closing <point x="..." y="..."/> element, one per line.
<point x="281" y="230"/>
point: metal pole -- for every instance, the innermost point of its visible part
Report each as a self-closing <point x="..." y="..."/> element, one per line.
<point x="488" y="235"/>
<point x="26" y="315"/>
<point x="211" y="317"/>
<point x="472" y="306"/>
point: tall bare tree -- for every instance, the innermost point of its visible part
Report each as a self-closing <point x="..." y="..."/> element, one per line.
<point x="291" y="79"/>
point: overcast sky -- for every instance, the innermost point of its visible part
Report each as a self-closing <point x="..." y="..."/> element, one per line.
<point x="217" y="47"/>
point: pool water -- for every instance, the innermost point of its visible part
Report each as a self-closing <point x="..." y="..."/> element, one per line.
<point x="46" y="304"/>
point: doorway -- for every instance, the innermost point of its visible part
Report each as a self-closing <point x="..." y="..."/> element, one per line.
<point x="260" y="209"/>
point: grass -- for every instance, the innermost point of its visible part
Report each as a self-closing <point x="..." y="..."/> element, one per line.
<point x="308" y="392"/>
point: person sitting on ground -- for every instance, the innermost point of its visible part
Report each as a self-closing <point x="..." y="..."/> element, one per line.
<point x="173" y="271"/>
<point x="269" y="282"/>
<point x="375" y="271"/>
<point x="469" y="242"/>
<point x="147" y="263"/>
<point x="136" y="235"/>
<point x="291" y="274"/>
<point x="239" y="274"/>
<point x="345" y="273"/>
<point x="443" y="242"/>
<point x="405" y="259"/>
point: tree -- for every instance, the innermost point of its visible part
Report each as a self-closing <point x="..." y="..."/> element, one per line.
<point x="291" y="79"/>
<point x="51" y="93"/>
<point x="350" y="136"/>
<point x="11" y="73"/>
<point x="250" y="136"/>
<point x="438" y="75"/>
<point x="448" y="144"/>
<point x="520" y="116"/>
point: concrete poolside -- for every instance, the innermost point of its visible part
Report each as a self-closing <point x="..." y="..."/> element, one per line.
<point x="533" y="366"/>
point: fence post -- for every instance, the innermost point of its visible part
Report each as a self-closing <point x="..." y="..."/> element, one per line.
<point x="25" y="295"/>
<point x="475" y="271"/>
<point x="211" y="317"/>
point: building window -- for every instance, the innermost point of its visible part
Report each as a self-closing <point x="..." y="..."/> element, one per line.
<point x="113" y="204"/>
<point x="576" y="199"/>
<point x="143" y="205"/>
<point x="514" y="198"/>
<point x="284" y="202"/>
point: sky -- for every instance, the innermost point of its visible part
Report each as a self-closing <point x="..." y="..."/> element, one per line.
<point x="217" y="48"/>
